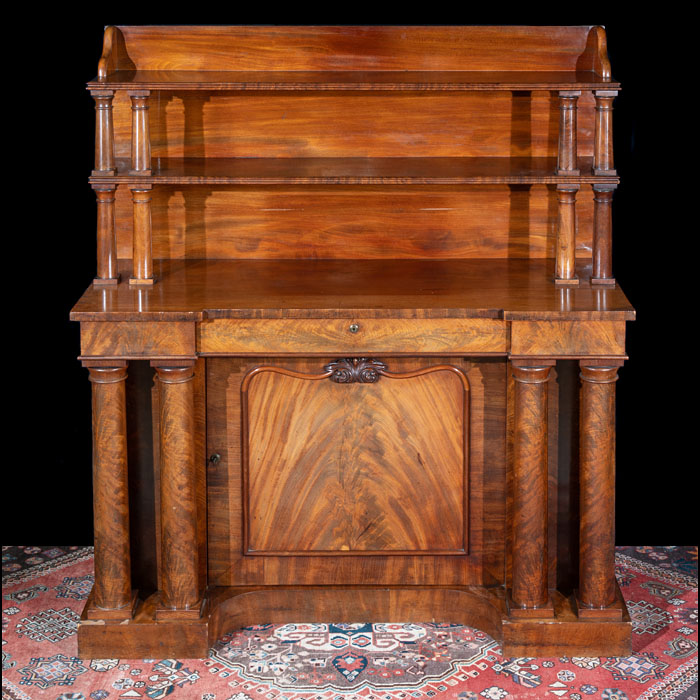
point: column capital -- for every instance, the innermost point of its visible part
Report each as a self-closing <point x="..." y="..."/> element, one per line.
<point x="528" y="373"/>
<point x="107" y="375"/>
<point x="174" y="374"/>
<point x="598" y="374"/>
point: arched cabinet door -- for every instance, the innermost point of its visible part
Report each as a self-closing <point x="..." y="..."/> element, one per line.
<point x="359" y="465"/>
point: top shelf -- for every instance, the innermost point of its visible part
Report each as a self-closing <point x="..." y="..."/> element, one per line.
<point x="351" y="81"/>
<point x="354" y="58"/>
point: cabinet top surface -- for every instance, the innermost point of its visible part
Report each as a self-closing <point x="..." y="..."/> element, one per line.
<point x="516" y="289"/>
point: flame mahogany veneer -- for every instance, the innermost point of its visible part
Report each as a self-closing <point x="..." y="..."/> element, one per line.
<point x="354" y="334"/>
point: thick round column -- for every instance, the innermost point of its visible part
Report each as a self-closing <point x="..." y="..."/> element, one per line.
<point x="112" y="589"/>
<point x="565" y="263"/>
<point x="104" y="133"/>
<point x="529" y="593"/>
<point x="178" y="510"/>
<point x="602" y="234"/>
<point x="106" y="237"/>
<point x="597" y="587"/>
<point x="567" y="163"/>
<point x="143" y="237"/>
<point x="603" y="153"/>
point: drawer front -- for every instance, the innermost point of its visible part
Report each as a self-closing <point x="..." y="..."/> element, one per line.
<point x="567" y="338"/>
<point x="309" y="336"/>
<point x="137" y="339"/>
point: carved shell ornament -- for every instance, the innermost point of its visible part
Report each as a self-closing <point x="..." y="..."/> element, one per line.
<point x="359" y="370"/>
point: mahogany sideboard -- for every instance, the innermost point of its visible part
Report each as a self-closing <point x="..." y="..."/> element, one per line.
<point x="354" y="334"/>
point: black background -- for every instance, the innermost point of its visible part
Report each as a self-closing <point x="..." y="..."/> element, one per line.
<point x="49" y="123"/>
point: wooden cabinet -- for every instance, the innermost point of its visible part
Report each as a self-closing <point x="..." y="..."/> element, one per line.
<point x="354" y="334"/>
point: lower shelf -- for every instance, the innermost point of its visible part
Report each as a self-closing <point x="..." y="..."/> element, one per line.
<point x="227" y="609"/>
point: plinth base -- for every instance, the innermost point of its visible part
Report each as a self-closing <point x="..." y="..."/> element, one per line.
<point x="229" y="609"/>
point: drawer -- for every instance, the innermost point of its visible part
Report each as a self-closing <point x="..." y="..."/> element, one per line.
<point x="562" y="338"/>
<point x="137" y="339"/>
<point x="321" y="336"/>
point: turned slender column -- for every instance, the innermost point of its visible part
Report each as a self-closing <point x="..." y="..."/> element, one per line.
<point x="529" y="595"/>
<point x="597" y="590"/>
<point x="602" y="234"/>
<point x="568" y="148"/>
<point x="565" y="270"/>
<point x="106" y="238"/>
<point x="143" y="241"/>
<point x="140" y="133"/>
<point x="180" y="593"/>
<point x="104" y="133"/>
<point x="112" y="596"/>
<point x="603" y="153"/>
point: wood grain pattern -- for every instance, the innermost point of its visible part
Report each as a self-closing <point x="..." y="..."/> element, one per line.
<point x="501" y="124"/>
<point x="142" y="240"/>
<point x="104" y="133"/>
<point x="137" y="339"/>
<point x="112" y="590"/>
<point x="568" y="133"/>
<point x="453" y="170"/>
<point x="427" y="336"/>
<point x="603" y="153"/>
<point x="530" y="466"/>
<point x="565" y="272"/>
<point x="597" y="541"/>
<point x="354" y="222"/>
<point x="356" y="469"/>
<point x="178" y="492"/>
<point x="140" y="133"/>
<point x="353" y="48"/>
<point x="602" y="235"/>
<point x="562" y="338"/>
<point x="107" y="272"/>
<point x="486" y="486"/>
<point x="513" y="289"/>
<point x="359" y="227"/>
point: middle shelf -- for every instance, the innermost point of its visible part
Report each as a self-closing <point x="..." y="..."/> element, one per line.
<point x="354" y="171"/>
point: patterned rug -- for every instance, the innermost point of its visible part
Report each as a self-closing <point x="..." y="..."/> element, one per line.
<point x="44" y="589"/>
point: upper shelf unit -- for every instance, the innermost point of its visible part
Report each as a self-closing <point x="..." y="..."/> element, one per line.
<point x="350" y="58"/>
<point x="357" y="106"/>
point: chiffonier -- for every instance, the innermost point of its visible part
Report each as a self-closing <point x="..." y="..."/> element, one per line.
<point x="354" y="334"/>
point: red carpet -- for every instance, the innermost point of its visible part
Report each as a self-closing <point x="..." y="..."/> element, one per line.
<point x="44" y="590"/>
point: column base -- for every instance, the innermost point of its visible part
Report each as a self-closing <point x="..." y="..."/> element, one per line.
<point x="145" y="173"/>
<point x="605" y="173"/>
<point x="104" y="173"/>
<point x="564" y="173"/>
<point x="92" y="612"/>
<point x="516" y="612"/>
<point x="196" y="612"/>
<point x="609" y="281"/>
<point x="142" y="282"/>
<point x="616" y="611"/>
<point x="573" y="282"/>
<point x="106" y="282"/>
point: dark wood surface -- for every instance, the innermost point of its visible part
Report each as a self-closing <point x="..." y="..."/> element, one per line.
<point x="480" y="514"/>
<point x="398" y="80"/>
<point x="355" y="48"/>
<point x="225" y="297"/>
<point x="197" y="289"/>
<point x="357" y="171"/>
